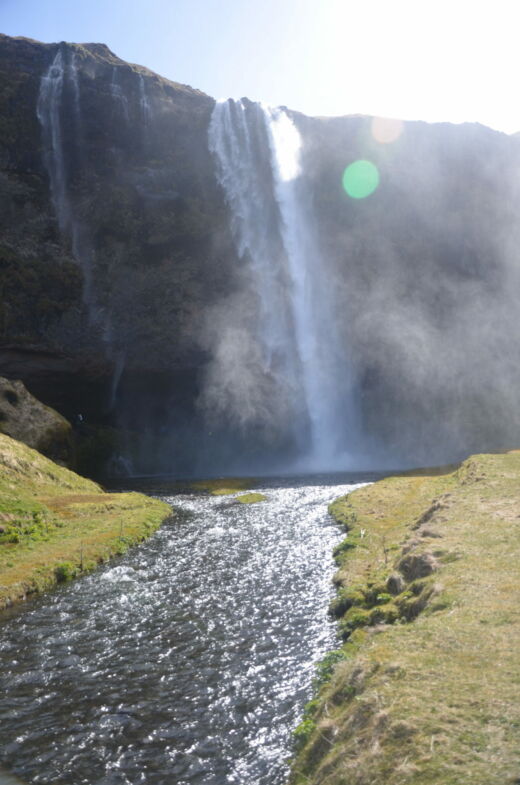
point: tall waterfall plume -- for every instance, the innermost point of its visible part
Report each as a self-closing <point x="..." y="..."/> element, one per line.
<point x="278" y="361"/>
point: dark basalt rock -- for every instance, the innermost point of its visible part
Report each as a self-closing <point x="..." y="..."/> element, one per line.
<point x="122" y="289"/>
<point x="24" y="418"/>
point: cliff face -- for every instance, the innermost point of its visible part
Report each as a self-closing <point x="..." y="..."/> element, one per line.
<point x="117" y="263"/>
<point x="114" y="239"/>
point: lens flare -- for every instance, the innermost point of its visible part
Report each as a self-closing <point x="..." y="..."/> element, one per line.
<point x="386" y="130"/>
<point x="360" y="179"/>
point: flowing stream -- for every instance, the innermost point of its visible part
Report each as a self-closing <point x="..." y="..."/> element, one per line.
<point x="187" y="661"/>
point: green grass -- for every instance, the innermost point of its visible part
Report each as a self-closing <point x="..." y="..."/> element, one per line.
<point x="426" y="687"/>
<point x="55" y="525"/>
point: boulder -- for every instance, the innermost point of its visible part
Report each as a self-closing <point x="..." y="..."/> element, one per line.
<point x="24" y="417"/>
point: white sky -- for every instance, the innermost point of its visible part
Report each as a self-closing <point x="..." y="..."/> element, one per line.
<point x="415" y="59"/>
<point x="418" y="59"/>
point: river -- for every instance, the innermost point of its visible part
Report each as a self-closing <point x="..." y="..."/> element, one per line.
<point x="188" y="661"/>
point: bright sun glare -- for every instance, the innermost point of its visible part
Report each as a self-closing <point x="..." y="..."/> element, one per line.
<point x="445" y="61"/>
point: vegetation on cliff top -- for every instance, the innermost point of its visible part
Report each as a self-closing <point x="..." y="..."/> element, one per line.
<point x="426" y="687"/>
<point x="55" y="525"/>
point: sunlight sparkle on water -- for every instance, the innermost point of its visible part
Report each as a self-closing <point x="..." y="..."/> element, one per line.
<point x="360" y="179"/>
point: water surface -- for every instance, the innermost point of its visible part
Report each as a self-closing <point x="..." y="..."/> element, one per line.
<point x="186" y="662"/>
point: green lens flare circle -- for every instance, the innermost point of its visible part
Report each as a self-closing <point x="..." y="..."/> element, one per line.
<point x="360" y="179"/>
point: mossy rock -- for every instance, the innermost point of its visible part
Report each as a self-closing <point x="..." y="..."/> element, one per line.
<point x="354" y="618"/>
<point x="415" y="598"/>
<point x="251" y="498"/>
<point x="223" y="486"/>
<point x="345" y="600"/>
<point x="65" y="571"/>
<point x="384" y="614"/>
<point x="376" y="593"/>
<point x="343" y="549"/>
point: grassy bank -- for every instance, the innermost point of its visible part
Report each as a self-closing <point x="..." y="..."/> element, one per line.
<point x="426" y="687"/>
<point x="55" y="525"/>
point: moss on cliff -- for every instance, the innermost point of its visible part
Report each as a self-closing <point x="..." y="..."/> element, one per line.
<point x="55" y="525"/>
<point x="34" y="294"/>
<point x="426" y="688"/>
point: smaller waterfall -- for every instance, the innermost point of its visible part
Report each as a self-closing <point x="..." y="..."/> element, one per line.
<point x="49" y="114"/>
<point x="73" y="77"/>
<point x="117" y="93"/>
<point x="119" y="367"/>
<point x="144" y="102"/>
<point x="73" y="73"/>
<point x="63" y="155"/>
<point x="49" y="111"/>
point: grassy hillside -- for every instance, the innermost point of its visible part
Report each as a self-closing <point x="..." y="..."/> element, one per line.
<point x="426" y="688"/>
<point x="55" y="524"/>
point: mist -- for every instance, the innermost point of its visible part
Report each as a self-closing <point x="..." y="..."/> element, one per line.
<point x="416" y="321"/>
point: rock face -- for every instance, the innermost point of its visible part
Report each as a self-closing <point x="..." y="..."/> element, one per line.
<point x="117" y="263"/>
<point x="115" y="238"/>
<point x="24" y="418"/>
<point x="108" y="199"/>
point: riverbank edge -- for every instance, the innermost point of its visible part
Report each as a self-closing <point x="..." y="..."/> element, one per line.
<point x="427" y="570"/>
<point x="56" y="525"/>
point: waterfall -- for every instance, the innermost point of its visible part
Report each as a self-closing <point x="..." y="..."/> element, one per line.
<point x="143" y="102"/>
<point x="258" y="156"/>
<point x="64" y="151"/>
<point x="73" y="72"/>
<point x="48" y="110"/>
<point x="323" y="384"/>
<point x="117" y="93"/>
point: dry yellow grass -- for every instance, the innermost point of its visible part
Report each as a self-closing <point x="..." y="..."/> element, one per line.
<point x="55" y="525"/>
<point x="434" y="696"/>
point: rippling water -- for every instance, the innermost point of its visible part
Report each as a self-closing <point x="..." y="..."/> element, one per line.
<point x="188" y="661"/>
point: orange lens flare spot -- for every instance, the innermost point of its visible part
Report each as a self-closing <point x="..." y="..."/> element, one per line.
<point x="386" y="130"/>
